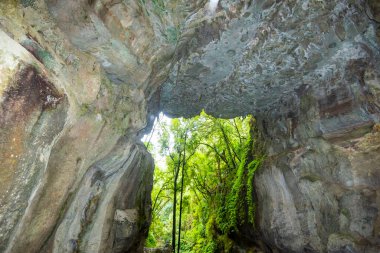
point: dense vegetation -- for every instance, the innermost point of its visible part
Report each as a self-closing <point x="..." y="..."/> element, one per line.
<point x="204" y="190"/>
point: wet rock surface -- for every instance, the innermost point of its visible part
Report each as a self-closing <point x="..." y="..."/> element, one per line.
<point x="79" y="80"/>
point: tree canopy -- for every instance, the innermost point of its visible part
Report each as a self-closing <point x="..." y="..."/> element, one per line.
<point x="203" y="195"/>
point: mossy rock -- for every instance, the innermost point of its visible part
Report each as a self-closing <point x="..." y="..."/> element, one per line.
<point x="345" y="212"/>
<point x="311" y="177"/>
<point x="27" y="3"/>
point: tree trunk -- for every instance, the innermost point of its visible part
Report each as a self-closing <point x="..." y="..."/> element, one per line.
<point x="175" y="202"/>
<point x="180" y="201"/>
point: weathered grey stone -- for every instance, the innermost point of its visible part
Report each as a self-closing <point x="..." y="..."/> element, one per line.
<point x="62" y="126"/>
<point x="157" y="250"/>
<point x="270" y="54"/>
<point x="309" y="72"/>
<point x="116" y="189"/>
<point x="79" y="79"/>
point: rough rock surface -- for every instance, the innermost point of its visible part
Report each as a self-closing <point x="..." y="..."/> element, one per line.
<point x="73" y="177"/>
<point x="309" y="71"/>
<point x="79" y="79"/>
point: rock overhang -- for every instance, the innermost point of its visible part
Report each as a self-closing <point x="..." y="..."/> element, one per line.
<point x="271" y="54"/>
<point x="244" y="58"/>
<point x="308" y="69"/>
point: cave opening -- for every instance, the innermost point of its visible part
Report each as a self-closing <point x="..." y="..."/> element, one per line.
<point x="203" y="198"/>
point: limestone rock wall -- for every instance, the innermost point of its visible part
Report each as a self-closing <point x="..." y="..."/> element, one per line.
<point x="309" y="72"/>
<point x="73" y="175"/>
<point x="80" y="80"/>
<point x="318" y="190"/>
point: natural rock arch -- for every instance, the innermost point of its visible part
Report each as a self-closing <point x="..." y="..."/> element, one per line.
<point x="73" y="176"/>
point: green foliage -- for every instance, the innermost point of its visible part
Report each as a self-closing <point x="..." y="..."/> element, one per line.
<point x="252" y="167"/>
<point x="150" y="241"/>
<point x="231" y="211"/>
<point x="159" y="6"/>
<point x="156" y="7"/>
<point x="172" y="34"/>
<point x="218" y="186"/>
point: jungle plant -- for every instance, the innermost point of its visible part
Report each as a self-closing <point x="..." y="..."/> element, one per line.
<point x="206" y="191"/>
